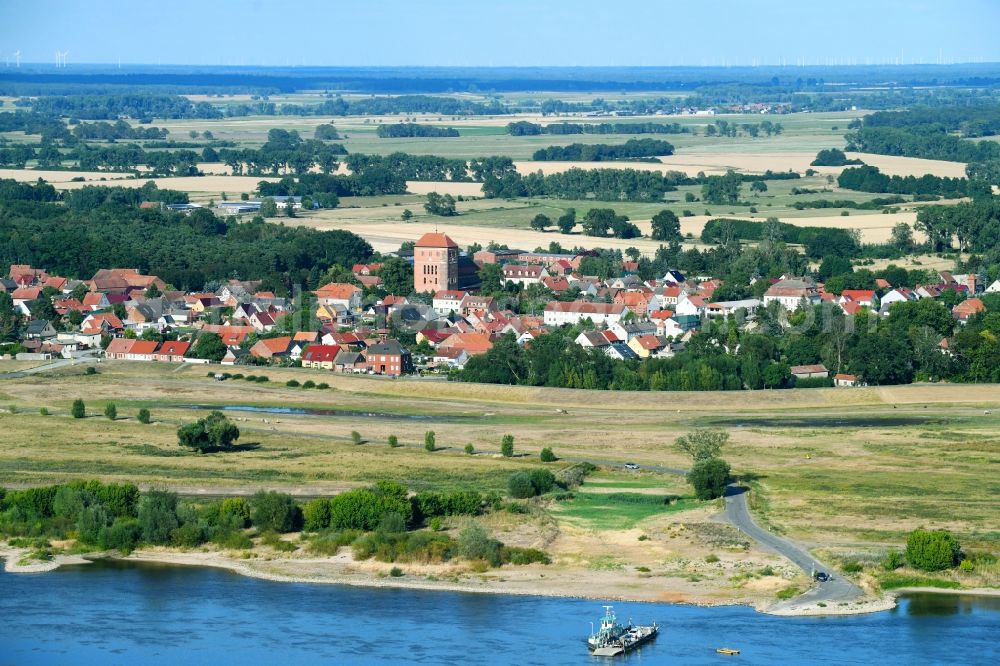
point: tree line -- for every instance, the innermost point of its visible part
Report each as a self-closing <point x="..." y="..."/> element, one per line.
<point x="413" y="130"/>
<point x="583" y="152"/>
<point x="116" y="106"/>
<point x="870" y="179"/>
<point x="525" y="128"/>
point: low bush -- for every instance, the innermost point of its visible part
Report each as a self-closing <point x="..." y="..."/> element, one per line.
<point x="293" y="383"/>
<point x="328" y="543"/>
<point x="274" y="540"/>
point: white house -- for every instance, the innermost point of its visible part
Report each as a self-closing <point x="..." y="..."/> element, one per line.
<point x="524" y="275"/>
<point x="447" y="301"/>
<point x="793" y="293"/>
<point x="690" y="305"/>
<point x="729" y="308"/>
<point x="994" y="288"/>
<point x="558" y="313"/>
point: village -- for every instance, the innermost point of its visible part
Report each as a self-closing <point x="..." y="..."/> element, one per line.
<point x="122" y="314"/>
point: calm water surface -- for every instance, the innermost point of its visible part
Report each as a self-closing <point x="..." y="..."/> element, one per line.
<point x="116" y="613"/>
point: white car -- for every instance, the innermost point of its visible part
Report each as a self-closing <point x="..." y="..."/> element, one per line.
<point x="631" y="466"/>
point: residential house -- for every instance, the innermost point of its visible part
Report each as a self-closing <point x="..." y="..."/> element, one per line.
<point x="845" y="380"/>
<point x="232" y="336"/>
<point x="620" y="351"/>
<point x="558" y="313"/>
<point x="626" y="331"/>
<point x="690" y="305"/>
<point x="524" y="275"/>
<point x="863" y="297"/>
<point x="814" y="371"/>
<point x="322" y="357"/>
<point x="495" y="256"/>
<point x="234" y="355"/>
<point x="350" y="361"/>
<point x="897" y="295"/>
<point x="433" y="336"/>
<point x="592" y="340"/>
<point x="388" y="358"/>
<point x="447" y="301"/>
<point x="730" y="308"/>
<point x="39" y="329"/>
<point x="967" y="309"/>
<point x="476" y="303"/>
<point x="472" y="343"/>
<point x="646" y="346"/>
<point x="345" y="295"/>
<point x="793" y="293"/>
<point x="172" y="351"/>
<point x="636" y="301"/>
<point x="272" y="348"/>
<point x="453" y="358"/>
<point x="994" y="288"/>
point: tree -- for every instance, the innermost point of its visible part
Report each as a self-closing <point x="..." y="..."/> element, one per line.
<point x="507" y="446"/>
<point x="144" y="416"/>
<point x="268" y="207"/>
<point x="326" y="132"/>
<point x="902" y="236"/>
<point x="110" y="411"/>
<point x="475" y="544"/>
<point x="406" y="215"/>
<point x="440" y="205"/>
<point x="702" y="443"/>
<point x="213" y="432"/>
<point x="666" y="226"/>
<point x="932" y="550"/>
<point x="722" y="189"/>
<point x="491" y="277"/>
<point x="10" y="319"/>
<point x="547" y="455"/>
<point x="567" y="221"/>
<point x="158" y="516"/>
<point x="709" y="477"/>
<point x="758" y="187"/>
<point x="209" y="346"/>
<point x="78" y="410"/>
<point x="289" y="208"/>
<point x="356" y="437"/>
<point x="393" y="441"/>
<point x="541" y="222"/>
<point x="274" y="511"/>
<point x="470" y="449"/>
<point x="430" y="441"/>
<point x="397" y="276"/>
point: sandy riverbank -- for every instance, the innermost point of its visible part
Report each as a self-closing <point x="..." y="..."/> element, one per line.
<point x="534" y="580"/>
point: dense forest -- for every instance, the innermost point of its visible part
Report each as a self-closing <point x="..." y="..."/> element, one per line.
<point x="410" y="130"/>
<point x="97" y="229"/>
<point x="598" y="152"/>
<point x="114" y="107"/>
<point x="870" y="179"/>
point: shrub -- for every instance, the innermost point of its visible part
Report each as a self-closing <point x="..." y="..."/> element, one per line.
<point x="188" y="535"/>
<point x="364" y="508"/>
<point x="852" y="566"/>
<point x="43" y="411"/>
<point x="966" y="566"/>
<point x="308" y="384"/>
<point x="90" y="371"/>
<point x="111" y="411"/>
<point x="322" y="385"/>
<point x="395" y="572"/>
<point x="520" y="556"/>
<point x="542" y="480"/>
<point x="788" y="592"/>
<point x="328" y="543"/>
<point x="507" y="446"/>
<point x="238" y="375"/>
<point x="932" y="550"/>
<point x="711" y="558"/>
<point x="519" y="486"/>
<point x="709" y="477"/>
<point x="767" y="571"/>
<point x="251" y="378"/>
<point x="275" y="512"/>
<point x="262" y="379"/>
<point x="232" y="540"/>
<point x="574" y="475"/>
<point x="430" y="441"/>
<point x="470" y="449"/>
<point x="235" y="511"/>
<point x="123" y="535"/>
<point x="316" y="515"/>
<point x="892" y="560"/>
<point x="475" y="544"/>
<point x="356" y="437"/>
<point x="547" y="455"/>
<point x="292" y="383"/>
<point x="144" y="416"/>
<point x="272" y="540"/>
<point x="436" y="524"/>
<point x="393" y="441"/>
<point x="79" y="410"/>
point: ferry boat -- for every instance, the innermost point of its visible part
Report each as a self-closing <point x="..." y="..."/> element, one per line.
<point x="614" y="638"/>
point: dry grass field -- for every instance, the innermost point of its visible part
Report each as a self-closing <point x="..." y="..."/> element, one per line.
<point x="832" y="467"/>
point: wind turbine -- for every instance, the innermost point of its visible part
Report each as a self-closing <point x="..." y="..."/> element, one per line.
<point x="62" y="57"/>
<point x="17" y="58"/>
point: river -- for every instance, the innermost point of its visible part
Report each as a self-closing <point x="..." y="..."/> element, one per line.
<point x="124" y="613"/>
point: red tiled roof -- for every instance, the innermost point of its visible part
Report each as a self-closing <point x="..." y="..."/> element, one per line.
<point x="435" y="240"/>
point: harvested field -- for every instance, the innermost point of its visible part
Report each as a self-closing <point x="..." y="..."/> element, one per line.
<point x="58" y="178"/>
<point x="454" y="189"/>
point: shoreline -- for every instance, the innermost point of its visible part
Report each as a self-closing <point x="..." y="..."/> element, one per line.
<point x="337" y="573"/>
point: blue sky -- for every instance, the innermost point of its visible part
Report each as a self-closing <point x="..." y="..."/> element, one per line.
<point x="501" y="32"/>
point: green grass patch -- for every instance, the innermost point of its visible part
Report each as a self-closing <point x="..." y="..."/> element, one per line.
<point x="894" y="581"/>
<point x="618" y="510"/>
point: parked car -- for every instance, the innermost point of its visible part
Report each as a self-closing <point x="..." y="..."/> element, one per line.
<point x="822" y="576"/>
<point x="631" y="465"/>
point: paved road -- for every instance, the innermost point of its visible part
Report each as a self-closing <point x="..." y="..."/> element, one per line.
<point x="48" y="366"/>
<point x="835" y="590"/>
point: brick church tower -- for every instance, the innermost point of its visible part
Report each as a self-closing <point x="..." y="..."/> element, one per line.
<point x="435" y="263"/>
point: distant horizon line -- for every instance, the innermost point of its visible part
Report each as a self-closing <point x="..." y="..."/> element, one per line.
<point x="804" y="65"/>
